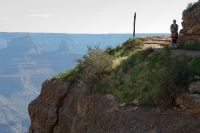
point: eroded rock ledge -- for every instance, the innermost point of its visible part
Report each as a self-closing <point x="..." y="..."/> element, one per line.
<point x="60" y="110"/>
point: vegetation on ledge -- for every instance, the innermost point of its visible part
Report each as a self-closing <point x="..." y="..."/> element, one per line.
<point x="193" y="46"/>
<point x="130" y="73"/>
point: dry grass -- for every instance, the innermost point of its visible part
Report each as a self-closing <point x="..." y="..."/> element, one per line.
<point x="116" y="62"/>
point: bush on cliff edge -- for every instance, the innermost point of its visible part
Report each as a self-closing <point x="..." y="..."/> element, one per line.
<point x="156" y="79"/>
<point x="132" y="43"/>
<point x="152" y="78"/>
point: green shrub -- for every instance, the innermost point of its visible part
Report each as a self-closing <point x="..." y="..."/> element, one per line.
<point x="95" y="65"/>
<point x="63" y="75"/>
<point x="194" y="46"/>
<point x="114" y="51"/>
<point x="154" y="80"/>
<point x="170" y="79"/>
<point x="132" y="43"/>
<point x="72" y="76"/>
<point x="119" y="47"/>
<point x="144" y="53"/>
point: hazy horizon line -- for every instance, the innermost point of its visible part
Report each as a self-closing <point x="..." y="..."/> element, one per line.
<point x="80" y="33"/>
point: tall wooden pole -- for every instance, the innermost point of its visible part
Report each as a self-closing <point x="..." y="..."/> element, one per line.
<point x="134" y="22"/>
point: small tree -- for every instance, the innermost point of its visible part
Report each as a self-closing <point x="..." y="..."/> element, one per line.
<point x="94" y="65"/>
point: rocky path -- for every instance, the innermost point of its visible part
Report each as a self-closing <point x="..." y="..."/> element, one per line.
<point x="156" y="120"/>
<point x="158" y="42"/>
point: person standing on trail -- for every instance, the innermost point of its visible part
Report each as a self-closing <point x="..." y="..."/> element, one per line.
<point x="174" y="33"/>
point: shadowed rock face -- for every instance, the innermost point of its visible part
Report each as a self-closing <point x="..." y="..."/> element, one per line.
<point x="191" y="25"/>
<point x="60" y="110"/>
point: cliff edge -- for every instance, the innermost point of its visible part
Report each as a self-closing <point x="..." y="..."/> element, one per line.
<point x="60" y="110"/>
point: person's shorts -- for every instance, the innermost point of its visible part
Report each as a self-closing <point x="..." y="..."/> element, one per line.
<point x="174" y="40"/>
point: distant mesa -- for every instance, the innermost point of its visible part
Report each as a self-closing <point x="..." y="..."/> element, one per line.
<point x="63" y="49"/>
<point x="63" y="46"/>
<point x="26" y="44"/>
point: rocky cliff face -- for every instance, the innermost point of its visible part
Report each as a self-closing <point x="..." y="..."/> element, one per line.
<point x="60" y="110"/>
<point x="191" y="25"/>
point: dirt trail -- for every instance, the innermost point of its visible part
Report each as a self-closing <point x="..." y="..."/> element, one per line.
<point x="156" y="120"/>
<point x="158" y="48"/>
<point x="158" y="42"/>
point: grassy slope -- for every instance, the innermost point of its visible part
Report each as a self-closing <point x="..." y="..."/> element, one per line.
<point x="153" y="79"/>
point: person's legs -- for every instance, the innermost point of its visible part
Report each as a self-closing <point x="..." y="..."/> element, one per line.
<point x="175" y="42"/>
<point x="172" y="43"/>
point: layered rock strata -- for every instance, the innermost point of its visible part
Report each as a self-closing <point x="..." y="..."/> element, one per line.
<point x="190" y="33"/>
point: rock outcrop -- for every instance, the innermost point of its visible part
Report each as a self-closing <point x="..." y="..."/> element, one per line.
<point x="194" y="87"/>
<point x="191" y="25"/>
<point x="59" y="109"/>
<point x="189" y="102"/>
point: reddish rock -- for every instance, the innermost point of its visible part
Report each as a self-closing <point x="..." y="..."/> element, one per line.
<point x="189" y="102"/>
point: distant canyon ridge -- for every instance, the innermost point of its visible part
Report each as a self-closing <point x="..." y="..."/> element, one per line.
<point x="24" y="65"/>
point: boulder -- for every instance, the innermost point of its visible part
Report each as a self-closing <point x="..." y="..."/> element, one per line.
<point x="194" y="87"/>
<point x="189" y="102"/>
<point x="43" y="110"/>
<point x="136" y="102"/>
<point x="190" y="33"/>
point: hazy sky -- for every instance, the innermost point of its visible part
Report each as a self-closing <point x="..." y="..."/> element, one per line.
<point x="90" y="16"/>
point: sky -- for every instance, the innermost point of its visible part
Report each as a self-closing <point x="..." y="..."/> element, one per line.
<point x="90" y="16"/>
